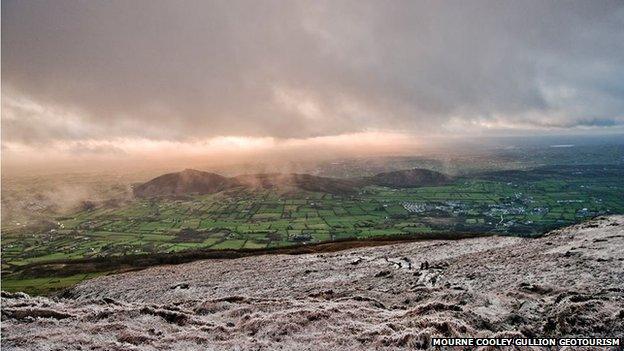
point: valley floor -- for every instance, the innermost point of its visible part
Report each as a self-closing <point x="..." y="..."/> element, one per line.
<point x="569" y="282"/>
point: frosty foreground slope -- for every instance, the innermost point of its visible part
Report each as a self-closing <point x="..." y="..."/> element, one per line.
<point x="567" y="283"/>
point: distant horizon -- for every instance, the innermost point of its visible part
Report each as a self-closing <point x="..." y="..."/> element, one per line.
<point x="151" y="83"/>
<point x="287" y="158"/>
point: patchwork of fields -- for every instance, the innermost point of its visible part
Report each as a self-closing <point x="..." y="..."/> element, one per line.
<point x="519" y="203"/>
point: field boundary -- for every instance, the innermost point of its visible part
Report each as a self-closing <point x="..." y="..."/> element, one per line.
<point x="65" y="267"/>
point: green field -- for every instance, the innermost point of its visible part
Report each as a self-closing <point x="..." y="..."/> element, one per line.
<point x="40" y="286"/>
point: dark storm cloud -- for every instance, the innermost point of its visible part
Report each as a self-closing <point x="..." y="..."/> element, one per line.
<point x="180" y="70"/>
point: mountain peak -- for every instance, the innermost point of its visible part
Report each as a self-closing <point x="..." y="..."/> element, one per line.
<point x="186" y="182"/>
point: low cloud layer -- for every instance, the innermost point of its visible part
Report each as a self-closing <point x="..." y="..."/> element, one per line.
<point x="98" y="71"/>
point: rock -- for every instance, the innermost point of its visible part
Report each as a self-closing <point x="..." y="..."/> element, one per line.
<point x="356" y="262"/>
<point x="383" y="274"/>
<point x="180" y="286"/>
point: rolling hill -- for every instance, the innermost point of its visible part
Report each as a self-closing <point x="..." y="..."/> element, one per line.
<point x="411" y="178"/>
<point x="294" y="181"/>
<point x="194" y="182"/>
<point x="187" y="182"/>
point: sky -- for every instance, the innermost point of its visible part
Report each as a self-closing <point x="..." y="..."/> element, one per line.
<point x="155" y="80"/>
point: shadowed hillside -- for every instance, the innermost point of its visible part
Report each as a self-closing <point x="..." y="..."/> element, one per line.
<point x="411" y="178"/>
<point x="193" y="182"/>
<point x="186" y="182"/>
<point x="295" y="181"/>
